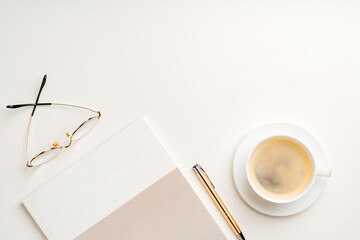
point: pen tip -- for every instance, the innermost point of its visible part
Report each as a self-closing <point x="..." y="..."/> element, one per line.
<point x="242" y="236"/>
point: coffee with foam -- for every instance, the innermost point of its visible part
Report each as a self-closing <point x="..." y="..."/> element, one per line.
<point x="280" y="168"/>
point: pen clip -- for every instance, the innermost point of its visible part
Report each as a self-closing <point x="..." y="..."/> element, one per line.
<point x="203" y="171"/>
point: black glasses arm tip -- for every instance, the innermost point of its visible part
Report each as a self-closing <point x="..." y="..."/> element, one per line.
<point x="41" y="88"/>
<point x="43" y="82"/>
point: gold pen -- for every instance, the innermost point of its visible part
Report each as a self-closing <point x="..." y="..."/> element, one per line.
<point x="210" y="188"/>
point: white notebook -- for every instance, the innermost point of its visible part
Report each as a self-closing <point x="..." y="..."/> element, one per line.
<point x="127" y="188"/>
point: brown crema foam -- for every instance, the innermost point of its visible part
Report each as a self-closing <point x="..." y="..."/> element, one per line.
<point x="280" y="168"/>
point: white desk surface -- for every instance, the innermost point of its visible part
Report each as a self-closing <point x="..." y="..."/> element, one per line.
<point x="203" y="74"/>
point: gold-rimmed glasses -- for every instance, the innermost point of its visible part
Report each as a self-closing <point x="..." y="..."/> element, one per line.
<point x="78" y="133"/>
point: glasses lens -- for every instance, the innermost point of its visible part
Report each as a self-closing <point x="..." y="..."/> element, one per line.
<point x="85" y="128"/>
<point x="46" y="156"/>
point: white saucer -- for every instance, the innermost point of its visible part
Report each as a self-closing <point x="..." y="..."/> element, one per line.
<point x="243" y="153"/>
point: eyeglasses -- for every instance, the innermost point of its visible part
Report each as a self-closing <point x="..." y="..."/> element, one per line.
<point x="78" y="133"/>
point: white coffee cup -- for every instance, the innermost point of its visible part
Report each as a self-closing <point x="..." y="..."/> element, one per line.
<point x="316" y="172"/>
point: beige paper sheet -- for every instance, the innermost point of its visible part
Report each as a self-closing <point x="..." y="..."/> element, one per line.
<point x="168" y="209"/>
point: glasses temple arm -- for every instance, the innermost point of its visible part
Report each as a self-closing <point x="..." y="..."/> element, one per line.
<point x="47" y="104"/>
<point x="27" y="105"/>
<point x="74" y="106"/>
<point x="37" y="99"/>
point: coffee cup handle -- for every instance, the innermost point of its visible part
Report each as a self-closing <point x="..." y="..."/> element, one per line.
<point x="323" y="172"/>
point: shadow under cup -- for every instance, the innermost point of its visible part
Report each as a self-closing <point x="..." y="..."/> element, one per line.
<point x="281" y="169"/>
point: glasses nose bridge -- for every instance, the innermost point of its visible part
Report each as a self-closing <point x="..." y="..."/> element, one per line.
<point x="70" y="140"/>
